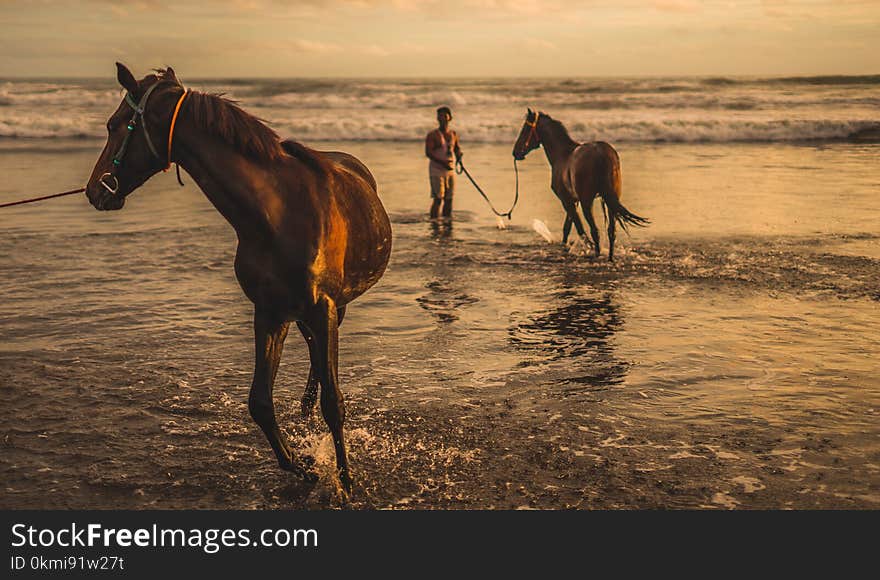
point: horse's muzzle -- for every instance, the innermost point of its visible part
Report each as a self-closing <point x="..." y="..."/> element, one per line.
<point x="102" y="199"/>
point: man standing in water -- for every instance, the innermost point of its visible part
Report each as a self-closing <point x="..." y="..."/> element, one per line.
<point x="440" y="145"/>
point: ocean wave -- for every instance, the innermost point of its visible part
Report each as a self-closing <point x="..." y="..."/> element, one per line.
<point x="103" y="103"/>
<point x="386" y="100"/>
<point x="711" y="93"/>
<point x="498" y="130"/>
<point x="34" y="94"/>
<point x="830" y="80"/>
<point x="683" y="110"/>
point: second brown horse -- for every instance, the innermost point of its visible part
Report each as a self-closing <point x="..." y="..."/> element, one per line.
<point x="580" y="171"/>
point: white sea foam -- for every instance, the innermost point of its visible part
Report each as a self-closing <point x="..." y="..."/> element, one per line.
<point x="616" y="110"/>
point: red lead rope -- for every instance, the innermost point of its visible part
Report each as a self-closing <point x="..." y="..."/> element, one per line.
<point x="33" y="199"/>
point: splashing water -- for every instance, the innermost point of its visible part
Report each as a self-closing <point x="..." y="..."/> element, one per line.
<point x="578" y="247"/>
<point x="542" y="230"/>
<point x="500" y="223"/>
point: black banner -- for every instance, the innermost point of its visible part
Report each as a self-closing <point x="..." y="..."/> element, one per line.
<point x="135" y="544"/>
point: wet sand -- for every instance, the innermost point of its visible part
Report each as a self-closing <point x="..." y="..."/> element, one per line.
<point x="726" y="360"/>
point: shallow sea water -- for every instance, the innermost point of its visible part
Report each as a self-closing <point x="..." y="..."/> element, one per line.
<point x="727" y="359"/>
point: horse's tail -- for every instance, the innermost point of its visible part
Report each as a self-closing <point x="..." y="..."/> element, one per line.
<point x="623" y="216"/>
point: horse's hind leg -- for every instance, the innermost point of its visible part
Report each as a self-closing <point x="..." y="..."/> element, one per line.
<point x="269" y="334"/>
<point x="594" y="231"/>
<point x="310" y="394"/>
<point x="566" y="229"/>
<point x="323" y="323"/>
<point x="576" y="219"/>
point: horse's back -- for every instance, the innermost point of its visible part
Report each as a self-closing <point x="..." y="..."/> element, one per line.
<point x="352" y="164"/>
<point x="327" y="162"/>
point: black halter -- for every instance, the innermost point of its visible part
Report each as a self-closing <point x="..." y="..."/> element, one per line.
<point x="139" y="109"/>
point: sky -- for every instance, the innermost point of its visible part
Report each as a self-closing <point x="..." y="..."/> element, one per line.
<point x="452" y="38"/>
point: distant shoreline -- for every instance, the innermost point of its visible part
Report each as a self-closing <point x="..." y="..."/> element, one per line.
<point x="813" y="79"/>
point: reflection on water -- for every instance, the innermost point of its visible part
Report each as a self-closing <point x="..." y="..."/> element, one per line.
<point x="580" y="329"/>
<point x="441" y="229"/>
<point x="444" y="300"/>
<point x="445" y="296"/>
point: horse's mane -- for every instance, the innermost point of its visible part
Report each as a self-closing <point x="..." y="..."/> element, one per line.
<point x="249" y="135"/>
<point x="557" y="127"/>
<point x="224" y="119"/>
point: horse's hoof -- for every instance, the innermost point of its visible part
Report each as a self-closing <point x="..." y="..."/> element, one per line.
<point x="302" y="468"/>
<point x="345" y="481"/>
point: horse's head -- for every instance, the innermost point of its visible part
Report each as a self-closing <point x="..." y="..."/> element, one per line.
<point x="137" y="137"/>
<point x="528" y="136"/>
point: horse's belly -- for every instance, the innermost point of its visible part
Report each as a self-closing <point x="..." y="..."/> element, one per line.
<point x="563" y="186"/>
<point x="353" y="287"/>
<point x="293" y="288"/>
<point x="340" y="260"/>
<point x="270" y="283"/>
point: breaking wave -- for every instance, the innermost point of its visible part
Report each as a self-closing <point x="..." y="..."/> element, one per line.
<point x="683" y="110"/>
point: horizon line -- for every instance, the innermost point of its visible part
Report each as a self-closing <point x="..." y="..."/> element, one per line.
<point x="479" y="77"/>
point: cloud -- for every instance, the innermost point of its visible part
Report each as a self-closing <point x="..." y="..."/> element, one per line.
<point x="287" y="46"/>
<point x="326" y="37"/>
<point x="375" y="50"/>
<point x="412" y="48"/>
<point x="315" y="47"/>
<point x="539" y="44"/>
<point x="676" y="5"/>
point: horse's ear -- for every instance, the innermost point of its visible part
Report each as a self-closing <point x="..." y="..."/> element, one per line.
<point x="169" y="74"/>
<point x="125" y="78"/>
<point x="531" y="112"/>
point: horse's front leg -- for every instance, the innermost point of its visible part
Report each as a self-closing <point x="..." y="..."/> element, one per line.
<point x="310" y="394"/>
<point x="322" y="320"/>
<point x="269" y="334"/>
<point x="571" y="217"/>
<point x="566" y="229"/>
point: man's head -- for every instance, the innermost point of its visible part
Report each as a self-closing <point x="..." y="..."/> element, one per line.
<point x="444" y="116"/>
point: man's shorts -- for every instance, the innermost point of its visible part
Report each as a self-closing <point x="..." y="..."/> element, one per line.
<point x="442" y="186"/>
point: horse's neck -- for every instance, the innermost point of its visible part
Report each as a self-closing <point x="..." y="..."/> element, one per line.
<point x="235" y="185"/>
<point x="557" y="145"/>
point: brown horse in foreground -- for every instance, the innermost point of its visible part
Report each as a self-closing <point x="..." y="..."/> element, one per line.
<point x="579" y="172"/>
<point x="312" y="232"/>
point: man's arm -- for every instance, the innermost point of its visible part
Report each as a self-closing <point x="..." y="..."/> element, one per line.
<point x="457" y="148"/>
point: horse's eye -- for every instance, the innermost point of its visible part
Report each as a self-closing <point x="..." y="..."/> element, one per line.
<point x="112" y="125"/>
